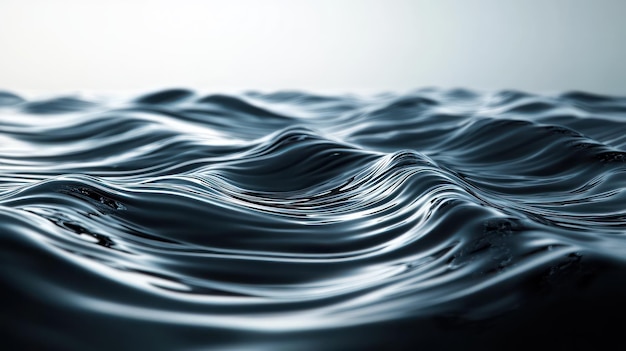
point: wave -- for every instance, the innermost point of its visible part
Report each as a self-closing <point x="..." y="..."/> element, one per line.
<point x="298" y="221"/>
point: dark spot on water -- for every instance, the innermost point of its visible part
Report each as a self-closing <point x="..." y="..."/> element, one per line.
<point x="94" y="196"/>
<point x="501" y="226"/>
<point x="495" y="242"/>
<point x="77" y="228"/>
<point x="611" y="157"/>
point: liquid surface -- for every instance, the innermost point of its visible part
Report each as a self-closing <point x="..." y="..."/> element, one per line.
<point x="438" y="219"/>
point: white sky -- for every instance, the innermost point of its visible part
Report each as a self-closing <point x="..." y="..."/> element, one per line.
<point x="338" y="45"/>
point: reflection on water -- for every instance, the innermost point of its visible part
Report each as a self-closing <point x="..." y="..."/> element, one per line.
<point x="435" y="219"/>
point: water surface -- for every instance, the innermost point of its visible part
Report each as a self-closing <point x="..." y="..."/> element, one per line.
<point x="436" y="219"/>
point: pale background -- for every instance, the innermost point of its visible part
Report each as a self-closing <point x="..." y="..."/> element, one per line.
<point x="317" y="45"/>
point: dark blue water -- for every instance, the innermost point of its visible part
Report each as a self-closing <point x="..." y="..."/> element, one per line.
<point x="439" y="219"/>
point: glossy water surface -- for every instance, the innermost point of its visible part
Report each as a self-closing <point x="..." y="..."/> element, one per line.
<point x="438" y="219"/>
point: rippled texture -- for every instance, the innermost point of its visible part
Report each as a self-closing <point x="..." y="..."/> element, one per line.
<point x="437" y="219"/>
